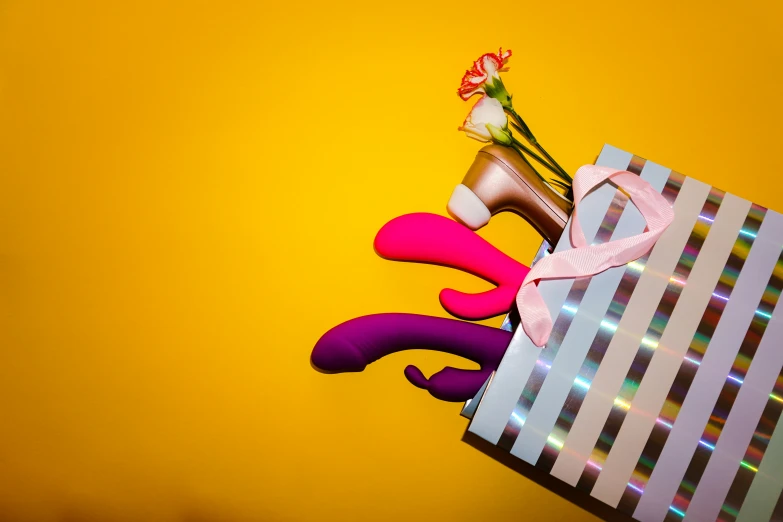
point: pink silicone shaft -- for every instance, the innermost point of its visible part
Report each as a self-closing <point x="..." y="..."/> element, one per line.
<point x="434" y="239"/>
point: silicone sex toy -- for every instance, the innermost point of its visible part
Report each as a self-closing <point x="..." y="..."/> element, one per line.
<point x="351" y="346"/>
<point x="433" y="239"/>
<point x="498" y="180"/>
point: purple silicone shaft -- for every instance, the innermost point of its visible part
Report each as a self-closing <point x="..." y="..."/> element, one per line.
<point x="351" y="346"/>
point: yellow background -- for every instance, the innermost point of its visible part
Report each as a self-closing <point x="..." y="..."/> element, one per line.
<point x="189" y="192"/>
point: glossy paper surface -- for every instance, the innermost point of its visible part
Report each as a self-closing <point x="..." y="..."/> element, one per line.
<point x="660" y="388"/>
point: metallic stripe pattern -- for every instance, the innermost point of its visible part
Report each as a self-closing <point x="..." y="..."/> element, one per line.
<point x="563" y="322"/>
<point x="598" y="347"/>
<point x="738" y="431"/>
<point x="751" y="461"/>
<point x="573" y="350"/>
<point x="768" y="483"/>
<point x="519" y="360"/>
<point x="677" y="281"/>
<point x="692" y="360"/>
<point x="659" y="377"/>
<point x="640" y="433"/>
<point x="727" y="396"/>
<point x="716" y="364"/>
<point x="633" y="323"/>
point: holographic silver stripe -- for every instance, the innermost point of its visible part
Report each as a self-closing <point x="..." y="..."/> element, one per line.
<point x="520" y="358"/>
<point x="562" y="323"/>
<point x="630" y="330"/>
<point x="598" y="347"/>
<point x="692" y="360"/>
<point x="751" y="461"/>
<point x="651" y="339"/>
<point x="659" y="376"/>
<point x="714" y="367"/>
<point x="767" y="484"/>
<point x="728" y="395"/>
<point x="574" y="347"/>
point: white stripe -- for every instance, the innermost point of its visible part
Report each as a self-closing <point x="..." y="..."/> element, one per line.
<point x="577" y="341"/>
<point x="711" y="375"/>
<point x="501" y="396"/>
<point x="673" y="344"/>
<point x="767" y="485"/>
<point x="740" y="425"/>
<point x="632" y="327"/>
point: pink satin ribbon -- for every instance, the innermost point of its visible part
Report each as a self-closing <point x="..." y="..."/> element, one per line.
<point x="584" y="260"/>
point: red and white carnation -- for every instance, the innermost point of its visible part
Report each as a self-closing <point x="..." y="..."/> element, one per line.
<point x="484" y="71"/>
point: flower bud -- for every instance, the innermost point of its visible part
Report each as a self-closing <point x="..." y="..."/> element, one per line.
<point x="501" y="136"/>
<point x="495" y="89"/>
<point x="486" y="111"/>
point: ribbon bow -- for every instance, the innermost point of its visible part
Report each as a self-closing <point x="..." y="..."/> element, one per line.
<point x="584" y="260"/>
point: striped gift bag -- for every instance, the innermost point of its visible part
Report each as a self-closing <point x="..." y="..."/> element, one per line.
<point x="660" y="388"/>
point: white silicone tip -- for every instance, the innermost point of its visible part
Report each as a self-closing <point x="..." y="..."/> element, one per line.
<point x="467" y="208"/>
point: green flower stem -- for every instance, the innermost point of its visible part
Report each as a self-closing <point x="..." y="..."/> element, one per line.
<point x="532" y="139"/>
<point x="563" y="173"/>
<point x="523" y="125"/>
<point x="534" y="155"/>
<point x="522" y="155"/>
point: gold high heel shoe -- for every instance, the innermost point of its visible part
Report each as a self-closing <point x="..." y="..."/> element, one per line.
<point x="499" y="180"/>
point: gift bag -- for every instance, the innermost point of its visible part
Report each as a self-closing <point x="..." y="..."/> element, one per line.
<point x="660" y="387"/>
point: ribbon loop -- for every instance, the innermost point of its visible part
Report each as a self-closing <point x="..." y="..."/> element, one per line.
<point x="584" y="260"/>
